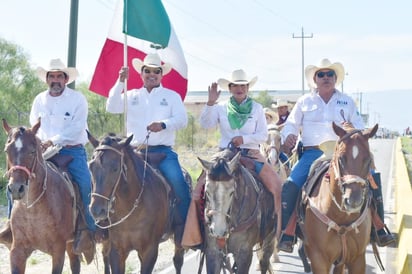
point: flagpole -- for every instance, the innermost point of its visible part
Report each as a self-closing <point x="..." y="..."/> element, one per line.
<point x="128" y="73"/>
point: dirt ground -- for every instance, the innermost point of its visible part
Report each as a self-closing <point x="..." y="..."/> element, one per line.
<point x="40" y="262"/>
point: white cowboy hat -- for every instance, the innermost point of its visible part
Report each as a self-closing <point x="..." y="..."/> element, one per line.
<point x="281" y="103"/>
<point x="238" y="77"/>
<point x="57" y="65"/>
<point x="311" y="70"/>
<point x="152" y="60"/>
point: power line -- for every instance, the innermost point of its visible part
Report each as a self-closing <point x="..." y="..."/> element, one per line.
<point x="303" y="56"/>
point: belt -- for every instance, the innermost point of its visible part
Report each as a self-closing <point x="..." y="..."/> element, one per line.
<point x="310" y="147"/>
<point x="73" y="146"/>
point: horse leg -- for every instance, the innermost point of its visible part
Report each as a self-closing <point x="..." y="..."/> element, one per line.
<point x="117" y="263"/>
<point x="358" y="265"/>
<point x="243" y="260"/>
<point x="58" y="256"/>
<point x="214" y="260"/>
<point x="148" y="258"/>
<point x="178" y="258"/>
<point x="73" y="258"/>
<point x="340" y="269"/>
<point x="303" y="257"/>
<point x="18" y="259"/>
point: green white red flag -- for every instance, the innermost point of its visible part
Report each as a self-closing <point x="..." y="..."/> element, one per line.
<point x="148" y="28"/>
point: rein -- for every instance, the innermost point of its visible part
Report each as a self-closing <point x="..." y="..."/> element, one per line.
<point x="112" y="197"/>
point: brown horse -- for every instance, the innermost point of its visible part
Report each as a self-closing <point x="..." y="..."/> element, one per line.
<point x="133" y="202"/>
<point x="337" y="221"/>
<point x="44" y="211"/>
<point x="238" y="215"/>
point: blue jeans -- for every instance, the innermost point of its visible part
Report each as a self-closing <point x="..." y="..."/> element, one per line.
<point x="300" y="170"/>
<point x="172" y="171"/>
<point x="80" y="173"/>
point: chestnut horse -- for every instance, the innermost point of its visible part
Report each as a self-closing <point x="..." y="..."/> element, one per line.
<point x="132" y="201"/>
<point x="44" y="211"/>
<point x="337" y="221"/>
<point x="238" y="215"/>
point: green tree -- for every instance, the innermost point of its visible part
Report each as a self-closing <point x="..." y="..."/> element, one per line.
<point x="263" y="98"/>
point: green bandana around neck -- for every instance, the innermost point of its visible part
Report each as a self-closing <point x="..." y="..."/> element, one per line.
<point x="238" y="114"/>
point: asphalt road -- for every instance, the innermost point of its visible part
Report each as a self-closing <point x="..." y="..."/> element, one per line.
<point x="383" y="150"/>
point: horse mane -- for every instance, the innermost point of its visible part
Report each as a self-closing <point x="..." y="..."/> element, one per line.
<point x="113" y="140"/>
<point x="219" y="170"/>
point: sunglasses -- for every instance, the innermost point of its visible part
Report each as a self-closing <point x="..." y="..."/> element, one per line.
<point x="155" y="71"/>
<point x="329" y="73"/>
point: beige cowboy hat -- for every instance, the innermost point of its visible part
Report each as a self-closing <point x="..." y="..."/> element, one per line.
<point x="152" y="60"/>
<point x="280" y="103"/>
<point x="238" y="77"/>
<point x="57" y="65"/>
<point x="311" y="70"/>
<point x="271" y="113"/>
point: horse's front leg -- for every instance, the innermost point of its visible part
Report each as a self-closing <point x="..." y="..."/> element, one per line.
<point x="243" y="260"/>
<point x="58" y="262"/>
<point x="117" y="260"/>
<point x="18" y="259"/>
<point x="148" y="258"/>
<point x="358" y="265"/>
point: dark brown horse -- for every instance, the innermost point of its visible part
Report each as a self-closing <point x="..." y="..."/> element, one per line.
<point x="133" y="202"/>
<point x="44" y="211"/>
<point x="337" y="220"/>
<point x="238" y="215"/>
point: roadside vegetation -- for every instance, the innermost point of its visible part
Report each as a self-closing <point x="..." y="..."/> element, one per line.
<point x="407" y="152"/>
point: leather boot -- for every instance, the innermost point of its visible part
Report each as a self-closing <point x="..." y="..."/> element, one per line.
<point x="382" y="235"/>
<point x="6" y="237"/>
<point x="290" y="193"/>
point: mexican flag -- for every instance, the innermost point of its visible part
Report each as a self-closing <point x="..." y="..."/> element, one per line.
<point x="148" y="30"/>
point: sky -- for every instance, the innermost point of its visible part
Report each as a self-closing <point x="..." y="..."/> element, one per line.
<point x="371" y="38"/>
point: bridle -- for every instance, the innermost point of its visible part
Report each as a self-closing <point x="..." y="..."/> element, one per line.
<point x="111" y="199"/>
<point x="337" y="166"/>
<point x="30" y="175"/>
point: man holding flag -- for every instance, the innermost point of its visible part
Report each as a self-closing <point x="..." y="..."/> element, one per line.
<point x="155" y="114"/>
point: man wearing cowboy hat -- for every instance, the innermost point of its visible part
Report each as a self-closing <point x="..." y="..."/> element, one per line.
<point x="282" y="107"/>
<point x="156" y="110"/>
<point x="63" y="113"/>
<point x="312" y="117"/>
<point x="242" y="124"/>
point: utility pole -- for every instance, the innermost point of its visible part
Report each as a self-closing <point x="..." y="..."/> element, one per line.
<point x="71" y="58"/>
<point x="303" y="56"/>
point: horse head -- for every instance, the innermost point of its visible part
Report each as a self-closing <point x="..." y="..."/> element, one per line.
<point x="219" y="191"/>
<point x="351" y="165"/>
<point x="108" y="168"/>
<point x="23" y="152"/>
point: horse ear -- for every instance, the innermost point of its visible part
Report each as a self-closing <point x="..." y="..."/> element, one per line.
<point x="338" y="130"/>
<point x="205" y="164"/>
<point x="234" y="163"/>
<point x="36" y="126"/>
<point x="372" y="131"/>
<point x="92" y="140"/>
<point x="6" y="126"/>
<point x="127" y="141"/>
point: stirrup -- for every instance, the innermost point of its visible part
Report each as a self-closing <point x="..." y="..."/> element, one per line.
<point x="384" y="239"/>
<point x="286" y="243"/>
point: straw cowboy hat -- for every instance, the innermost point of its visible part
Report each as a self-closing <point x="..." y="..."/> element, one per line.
<point x="271" y="113"/>
<point x="57" y="65"/>
<point x="281" y="103"/>
<point x="152" y="60"/>
<point x="238" y="77"/>
<point x="311" y="70"/>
